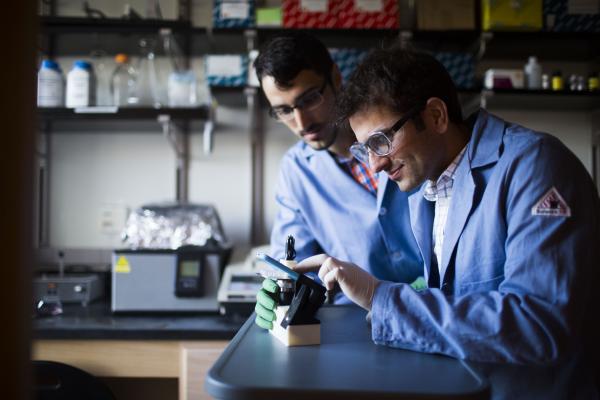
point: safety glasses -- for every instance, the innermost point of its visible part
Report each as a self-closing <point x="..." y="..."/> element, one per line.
<point x="380" y="142"/>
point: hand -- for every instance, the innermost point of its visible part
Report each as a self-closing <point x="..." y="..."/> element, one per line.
<point x="419" y="284"/>
<point x="266" y="304"/>
<point x="357" y="284"/>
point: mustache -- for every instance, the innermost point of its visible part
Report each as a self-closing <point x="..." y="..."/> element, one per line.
<point x="314" y="128"/>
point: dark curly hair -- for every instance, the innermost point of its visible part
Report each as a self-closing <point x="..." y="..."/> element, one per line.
<point x="399" y="79"/>
<point x="284" y="56"/>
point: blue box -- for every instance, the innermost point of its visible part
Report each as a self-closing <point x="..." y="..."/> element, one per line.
<point x="460" y="66"/>
<point x="229" y="70"/>
<point x="559" y="17"/>
<point x="233" y="14"/>
<point x="347" y="60"/>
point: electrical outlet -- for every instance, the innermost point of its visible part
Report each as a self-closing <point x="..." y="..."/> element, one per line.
<point x="112" y="218"/>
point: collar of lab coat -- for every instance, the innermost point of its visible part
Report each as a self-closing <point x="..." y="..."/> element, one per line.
<point x="483" y="149"/>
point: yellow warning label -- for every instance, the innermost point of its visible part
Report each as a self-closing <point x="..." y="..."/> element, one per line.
<point x="122" y="266"/>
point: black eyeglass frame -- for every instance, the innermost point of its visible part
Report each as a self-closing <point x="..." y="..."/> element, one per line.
<point x="299" y="103"/>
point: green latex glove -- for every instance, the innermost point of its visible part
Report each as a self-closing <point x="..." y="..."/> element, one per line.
<point x="266" y="304"/>
<point x="419" y="284"/>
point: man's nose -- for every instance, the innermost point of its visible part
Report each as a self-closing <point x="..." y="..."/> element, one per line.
<point x="377" y="163"/>
<point x="302" y="118"/>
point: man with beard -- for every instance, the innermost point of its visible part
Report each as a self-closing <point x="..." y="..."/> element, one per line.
<point x="507" y="221"/>
<point x="329" y="201"/>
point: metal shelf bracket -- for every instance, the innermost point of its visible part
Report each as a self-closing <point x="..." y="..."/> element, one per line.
<point x="179" y="141"/>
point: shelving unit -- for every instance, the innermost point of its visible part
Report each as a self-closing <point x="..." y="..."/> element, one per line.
<point x="540" y="99"/>
<point x="62" y="25"/>
<point x="196" y="40"/>
<point x="114" y="113"/>
<point x="173" y="122"/>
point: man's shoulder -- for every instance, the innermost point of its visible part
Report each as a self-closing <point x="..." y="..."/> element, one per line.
<point x="301" y="153"/>
<point x="521" y="141"/>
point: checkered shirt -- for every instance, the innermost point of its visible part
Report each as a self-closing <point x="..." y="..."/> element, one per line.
<point x="441" y="193"/>
<point x="360" y="172"/>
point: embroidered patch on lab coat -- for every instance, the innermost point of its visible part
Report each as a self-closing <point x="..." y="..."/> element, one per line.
<point x="552" y="205"/>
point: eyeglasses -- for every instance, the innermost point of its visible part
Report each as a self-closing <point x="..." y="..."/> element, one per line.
<point x="309" y="101"/>
<point x="380" y="142"/>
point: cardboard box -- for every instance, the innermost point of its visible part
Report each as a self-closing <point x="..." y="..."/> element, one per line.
<point x="347" y="60"/>
<point x="511" y="15"/>
<point x="309" y="13"/>
<point x="230" y="70"/>
<point x="380" y="14"/>
<point x="268" y="16"/>
<point x="444" y="14"/>
<point x="572" y="15"/>
<point x="233" y="14"/>
<point x="498" y="78"/>
<point x="460" y="66"/>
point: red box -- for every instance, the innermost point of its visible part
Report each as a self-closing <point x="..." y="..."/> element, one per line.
<point x="380" y="14"/>
<point x="309" y="13"/>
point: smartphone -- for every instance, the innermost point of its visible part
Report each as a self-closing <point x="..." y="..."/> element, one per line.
<point x="276" y="264"/>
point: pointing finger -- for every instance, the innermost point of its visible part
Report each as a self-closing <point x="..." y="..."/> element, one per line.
<point x="312" y="263"/>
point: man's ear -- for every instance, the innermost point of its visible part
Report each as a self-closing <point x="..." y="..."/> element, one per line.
<point x="336" y="77"/>
<point x="438" y="114"/>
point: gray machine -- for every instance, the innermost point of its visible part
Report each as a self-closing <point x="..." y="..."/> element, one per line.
<point x="68" y="288"/>
<point x="151" y="280"/>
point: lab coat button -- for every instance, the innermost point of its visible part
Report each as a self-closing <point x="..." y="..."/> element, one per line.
<point x="396" y="255"/>
<point x="382" y="211"/>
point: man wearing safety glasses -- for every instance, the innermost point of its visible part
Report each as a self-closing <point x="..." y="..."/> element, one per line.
<point x="329" y="201"/>
<point x="506" y="219"/>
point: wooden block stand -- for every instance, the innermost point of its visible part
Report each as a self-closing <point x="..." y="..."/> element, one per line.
<point x="295" y="335"/>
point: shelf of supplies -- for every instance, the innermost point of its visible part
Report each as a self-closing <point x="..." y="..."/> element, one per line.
<point x="541" y="99"/>
<point x="125" y="113"/>
<point x="109" y="25"/>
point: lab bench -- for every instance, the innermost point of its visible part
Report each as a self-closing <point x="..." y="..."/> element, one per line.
<point x="347" y="364"/>
<point x="135" y="346"/>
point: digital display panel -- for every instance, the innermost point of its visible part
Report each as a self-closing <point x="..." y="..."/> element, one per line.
<point x="190" y="269"/>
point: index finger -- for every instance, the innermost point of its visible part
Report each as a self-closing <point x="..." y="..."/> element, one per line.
<point x="312" y="263"/>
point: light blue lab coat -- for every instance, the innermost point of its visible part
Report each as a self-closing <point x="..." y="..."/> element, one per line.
<point x="516" y="287"/>
<point x="327" y="211"/>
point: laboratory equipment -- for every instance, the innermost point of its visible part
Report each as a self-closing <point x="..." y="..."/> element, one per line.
<point x="102" y="76"/>
<point x="533" y="74"/>
<point x="81" y="85"/>
<point x="168" y="280"/>
<point x="174" y="260"/>
<point x="68" y="288"/>
<point x="239" y="285"/>
<point x="309" y="295"/>
<point x="147" y="88"/>
<point x="557" y="81"/>
<point x="123" y="82"/>
<point x="50" y="85"/>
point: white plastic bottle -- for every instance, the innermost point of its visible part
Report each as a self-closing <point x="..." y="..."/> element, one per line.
<point x="533" y="74"/>
<point x="51" y="85"/>
<point x="81" y="85"/>
<point x="123" y="83"/>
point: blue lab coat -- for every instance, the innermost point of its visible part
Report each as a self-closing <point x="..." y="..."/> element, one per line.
<point x="515" y="287"/>
<point x="327" y="211"/>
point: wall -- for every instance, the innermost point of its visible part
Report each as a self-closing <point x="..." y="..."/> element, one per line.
<point x="98" y="165"/>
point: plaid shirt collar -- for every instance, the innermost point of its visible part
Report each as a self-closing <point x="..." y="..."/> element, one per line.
<point x="360" y="172"/>
<point x="443" y="187"/>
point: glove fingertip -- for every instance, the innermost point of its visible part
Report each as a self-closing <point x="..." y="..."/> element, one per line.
<point x="263" y="323"/>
